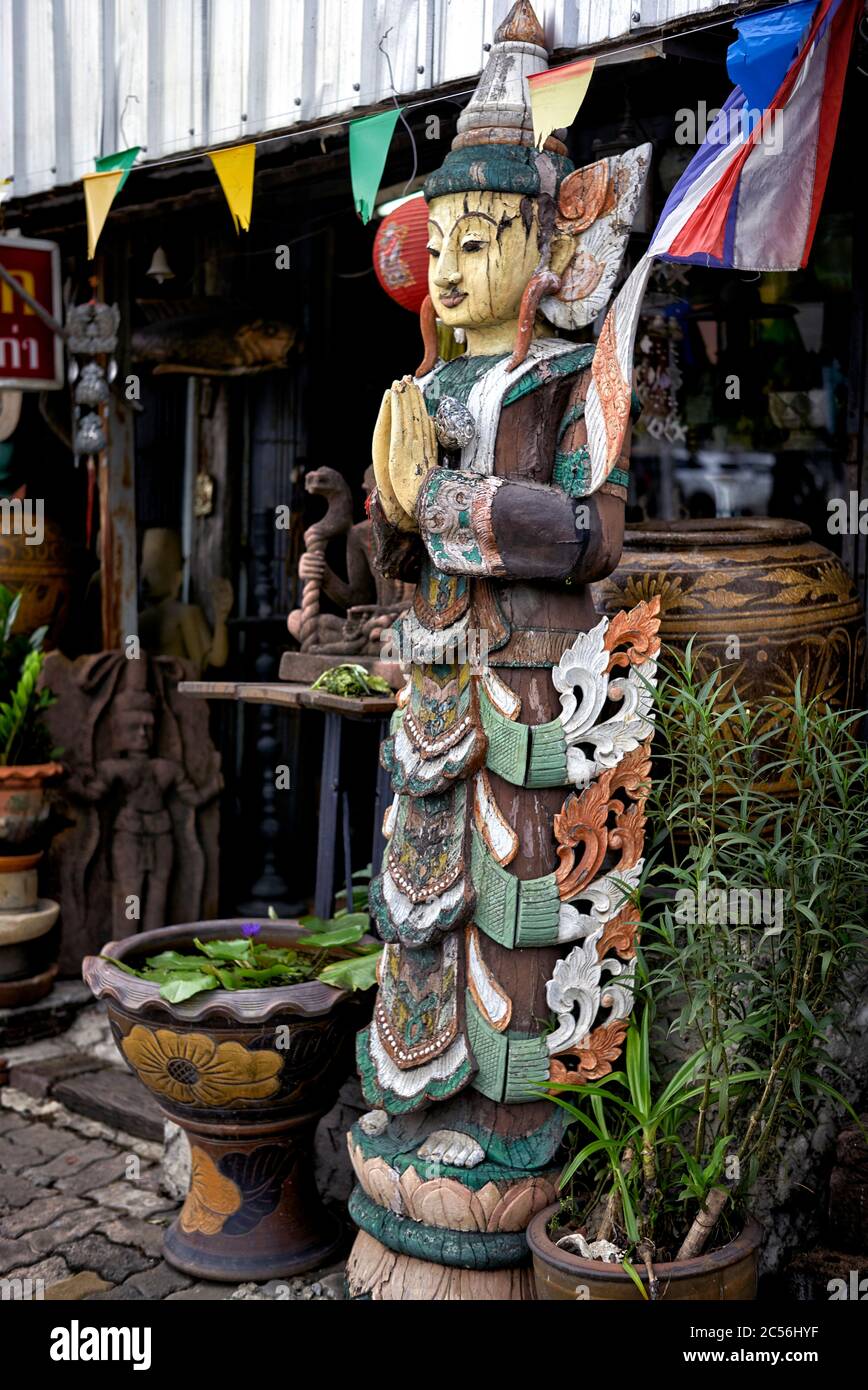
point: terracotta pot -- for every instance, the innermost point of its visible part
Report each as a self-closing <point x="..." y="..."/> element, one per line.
<point x="788" y="601"/>
<point x="28" y="941"/>
<point x="44" y="575"/>
<point x="16" y="994"/>
<point x="725" y="1275"/>
<point x="28" y="933"/>
<point x="23" y="804"/>
<point x="247" y="1075"/>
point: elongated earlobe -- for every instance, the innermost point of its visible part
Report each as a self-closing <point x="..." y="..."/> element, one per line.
<point x="541" y="283"/>
<point x="428" y="325"/>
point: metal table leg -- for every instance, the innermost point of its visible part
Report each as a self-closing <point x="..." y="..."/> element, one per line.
<point x="328" y="816"/>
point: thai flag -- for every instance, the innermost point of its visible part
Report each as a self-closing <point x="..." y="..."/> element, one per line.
<point x="748" y="200"/>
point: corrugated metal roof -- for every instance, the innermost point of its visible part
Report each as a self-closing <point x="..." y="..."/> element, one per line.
<point x="81" y="78"/>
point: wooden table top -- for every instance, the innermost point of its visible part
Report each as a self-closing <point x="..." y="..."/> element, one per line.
<point x="292" y="696"/>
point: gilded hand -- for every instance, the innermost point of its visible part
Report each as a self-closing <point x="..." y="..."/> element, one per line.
<point x="412" y="442"/>
<point x="392" y="508"/>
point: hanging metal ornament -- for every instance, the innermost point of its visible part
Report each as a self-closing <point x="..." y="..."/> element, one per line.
<point x="89" y="435"/>
<point x="92" y="331"/>
<point x="91" y="388"/>
<point x="92" y="328"/>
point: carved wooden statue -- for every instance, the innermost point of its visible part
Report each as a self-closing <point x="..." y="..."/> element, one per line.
<point x="144" y="776"/>
<point x="371" y="599"/>
<point x="169" y="627"/>
<point x="519" y="784"/>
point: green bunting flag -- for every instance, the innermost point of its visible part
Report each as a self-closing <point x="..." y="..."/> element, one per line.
<point x="123" y="160"/>
<point x="370" y="139"/>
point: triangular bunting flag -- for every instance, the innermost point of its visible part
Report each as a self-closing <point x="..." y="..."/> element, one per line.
<point x="123" y="160"/>
<point x="99" y="194"/>
<point x="370" y="139"/>
<point x="555" y="97"/>
<point x="235" y="172"/>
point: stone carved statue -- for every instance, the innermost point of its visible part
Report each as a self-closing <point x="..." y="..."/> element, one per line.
<point x="141" y="851"/>
<point x="519" y="784"/>
<point x="371" y="599"/>
<point x="169" y="627"/>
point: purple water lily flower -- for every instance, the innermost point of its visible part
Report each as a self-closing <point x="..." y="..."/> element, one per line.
<point x="251" y="929"/>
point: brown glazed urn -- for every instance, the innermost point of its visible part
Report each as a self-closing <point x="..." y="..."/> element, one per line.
<point x="44" y="575"/>
<point x="246" y="1074"/>
<point x="787" y="601"/>
<point x="724" y="1276"/>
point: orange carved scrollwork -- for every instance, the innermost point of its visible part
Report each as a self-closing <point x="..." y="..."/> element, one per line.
<point x="594" y="1058"/>
<point x="583" y="820"/>
<point x="638" y="630"/>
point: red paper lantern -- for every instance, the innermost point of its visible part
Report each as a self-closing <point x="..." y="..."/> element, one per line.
<point x="401" y="254"/>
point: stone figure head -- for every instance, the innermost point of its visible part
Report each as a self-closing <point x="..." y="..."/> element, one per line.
<point x="133" y="721"/>
<point x="506" y="219"/>
<point x="133" y="711"/>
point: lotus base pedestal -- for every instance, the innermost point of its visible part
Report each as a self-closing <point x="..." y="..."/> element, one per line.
<point x="374" y="1272"/>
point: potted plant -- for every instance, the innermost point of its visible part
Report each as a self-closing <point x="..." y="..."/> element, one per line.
<point x="242" y="1032"/>
<point x="755" y="910"/>
<point x="26" y="761"/>
<point x="28" y="942"/>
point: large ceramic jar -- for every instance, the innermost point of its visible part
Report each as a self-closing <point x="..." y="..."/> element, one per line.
<point x="44" y="575"/>
<point x="247" y="1075"/>
<point x="760" y="597"/>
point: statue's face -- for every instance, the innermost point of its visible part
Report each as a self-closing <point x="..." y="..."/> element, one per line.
<point x="484" y="249"/>
<point x="134" y="731"/>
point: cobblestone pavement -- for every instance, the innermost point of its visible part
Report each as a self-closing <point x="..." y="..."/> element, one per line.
<point x="82" y="1215"/>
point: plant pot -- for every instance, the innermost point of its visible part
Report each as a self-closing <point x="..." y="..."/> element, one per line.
<point x="17" y="994"/>
<point x="23" y="804"/>
<point x="29" y="935"/>
<point x="247" y="1075"/>
<point x="725" y="1275"/>
<point x="28" y="941"/>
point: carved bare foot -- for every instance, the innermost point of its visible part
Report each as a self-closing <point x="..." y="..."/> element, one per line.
<point x="373" y="1123"/>
<point x="452" y="1147"/>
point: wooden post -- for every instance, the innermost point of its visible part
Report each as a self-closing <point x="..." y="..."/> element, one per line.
<point x="117" y="530"/>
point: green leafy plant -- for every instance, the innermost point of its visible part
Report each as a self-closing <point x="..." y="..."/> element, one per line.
<point x="351" y="681"/>
<point x="755" y="916"/>
<point x="24" y="739"/>
<point x="247" y="963"/>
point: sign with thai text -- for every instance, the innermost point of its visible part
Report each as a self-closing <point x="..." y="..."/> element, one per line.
<point x="31" y="354"/>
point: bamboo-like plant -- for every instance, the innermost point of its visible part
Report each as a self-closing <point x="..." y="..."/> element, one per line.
<point x="745" y="993"/>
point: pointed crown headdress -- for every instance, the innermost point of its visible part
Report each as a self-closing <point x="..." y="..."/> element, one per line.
<point x="494" y="151"/>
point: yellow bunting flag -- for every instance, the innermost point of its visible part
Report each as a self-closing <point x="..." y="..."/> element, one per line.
<point x="99" y="194"/>
<point x="235" y="172"/>
<point x="555" y="97"/>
